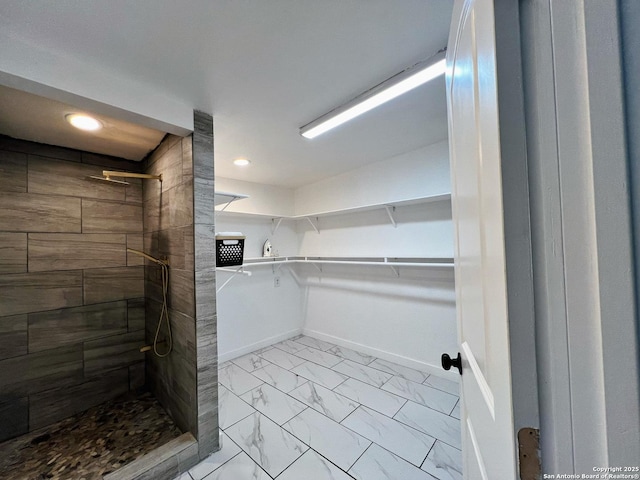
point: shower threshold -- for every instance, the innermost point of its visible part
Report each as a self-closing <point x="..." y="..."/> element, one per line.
<point x="90" y="444"/>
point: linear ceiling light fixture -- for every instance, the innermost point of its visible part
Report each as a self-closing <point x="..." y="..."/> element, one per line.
<point x="391" y="88"/>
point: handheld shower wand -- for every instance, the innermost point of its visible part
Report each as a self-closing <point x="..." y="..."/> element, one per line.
<point x="164" y="313"/>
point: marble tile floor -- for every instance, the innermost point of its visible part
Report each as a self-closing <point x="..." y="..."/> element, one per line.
<point x="305" y="409"/>
<point x="90" y="444"/>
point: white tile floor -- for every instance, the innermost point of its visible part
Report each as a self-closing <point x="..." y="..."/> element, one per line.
<point x="305" y="409"/>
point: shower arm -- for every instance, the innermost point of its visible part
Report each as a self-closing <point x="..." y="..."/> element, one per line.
<point x="111" y="173"/>
<point x="148" y="257"/>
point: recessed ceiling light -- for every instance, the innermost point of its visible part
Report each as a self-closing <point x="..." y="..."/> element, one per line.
<point x="84" y="122"/>
<point x="241" y="162"/>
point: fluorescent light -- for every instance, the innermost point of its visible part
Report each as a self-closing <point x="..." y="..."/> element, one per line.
<point x="241" y="162"/>
<point x="389" y="89"/>
<point x="84" y="122"/>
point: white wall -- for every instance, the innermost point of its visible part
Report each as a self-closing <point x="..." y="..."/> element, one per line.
<point x="418" y="173"/>
<point x="252" y="312"/>
<point x="407" y="318"/>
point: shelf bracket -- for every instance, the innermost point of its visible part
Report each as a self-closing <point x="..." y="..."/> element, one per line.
<point x="275" y="268"/>
<point x="275" y="224"/>
<point x="390" y="211"/>
<point x="315" y="227"/>
<point x="318" y="267"/>
<point x="395" y="269"/>
<point x="233" y="199"/>
<point x="234" y="273"/>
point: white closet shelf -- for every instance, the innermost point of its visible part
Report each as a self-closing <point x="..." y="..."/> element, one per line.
<point x="392" y="262"/>
<point x="227" y="198"/>
<point x="374" y="206"/>
<point x="312" y="218"/>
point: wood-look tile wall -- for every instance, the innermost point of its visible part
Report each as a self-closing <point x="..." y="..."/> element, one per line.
<point x="71" y="299"/>
<point x="179" y="226"/>
<point x="168" y="234"/>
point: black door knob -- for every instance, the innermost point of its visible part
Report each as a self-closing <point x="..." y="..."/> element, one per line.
<point x="448" y="362"/>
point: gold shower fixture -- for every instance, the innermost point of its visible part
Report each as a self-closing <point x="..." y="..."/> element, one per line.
<point x="107" y="174"/>
<point x="111" y="173"/>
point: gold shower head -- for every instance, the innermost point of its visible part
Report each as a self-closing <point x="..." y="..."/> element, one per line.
<point x="107" y="174"/>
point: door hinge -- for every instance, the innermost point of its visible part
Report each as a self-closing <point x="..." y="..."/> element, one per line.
<point x="529" y="453"/>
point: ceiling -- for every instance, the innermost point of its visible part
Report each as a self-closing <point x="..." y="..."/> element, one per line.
<point x="263" y="69"/>
<point x="32" y="117"/>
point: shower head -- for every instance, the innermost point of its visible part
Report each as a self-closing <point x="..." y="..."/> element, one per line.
<point x="107" y="179"/>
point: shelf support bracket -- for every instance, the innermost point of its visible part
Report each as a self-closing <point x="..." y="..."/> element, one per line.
<point x="395" y="269"/>
<point x="390" y="211"/>
<point x="315" y="227"/>
<point x="234" y="273"/>
<point x="275" y="224"/>
<point x="318" y="267"/>
<point x="229" y="203"/>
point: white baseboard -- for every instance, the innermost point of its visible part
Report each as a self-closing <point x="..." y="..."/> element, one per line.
<point x="238" y="352"/>
<point x="384" y="355"/>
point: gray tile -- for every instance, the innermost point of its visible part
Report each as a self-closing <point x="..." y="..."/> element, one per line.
<point x="133" y="191"/>
<point x="444" y="462"/>
<point x="394" y="436"/>
<point x="178" y="203"/>
<point x="75" y="251"/>
<point x="455" y="413"/>
<point x="25" y="212"/>
<point x="271" y="402"/>
<point x="136" y="376"/>
<point x="380" y="464"/>
<point x="14" y="417"/>
<point x="68" y="326"/>
<point x="268" y="444"/>
<point x="13" y="252"/>
<point x="13" y="171"/>
<point x="370" y="396"/>
<point x="443" y="384"/>
<point x="237" y="380"/>
<point x="399" y="370"/>
<point x="135" y="314"/>
<point x="52" y="405"/>
<point x="136" y="242"/>
<point x="250" y="362"/>
<point x="228" y="450"/>
<point x="323" y="400"/>
<point x="60" y="177"/>
<point x="436" y="424"/>
<point x="319" y="357"/>
<point x="351" y="355"/>
<point x="182" y="291"/>
<point x="422" y="394"/>
<point x="320" y="375"/>
<point x="113" y="352"/>
<point x="283" y="359"/>
<point x="28" y="374"/>
<point x="361" y="372"/>
<point x="314" y="343"/>
<point x="232" y="408"/>
<point x="204" y="201"/>
<point x="279" y="377"/>
<point x="13" y="336"/>
<point x="111" y="284"/>
<point x="110" y="217"/>
<point x="290" y="346"/>
<point x="34" y="292"/>
<point x="313" y="466"/>
<point x="240" y="467"/>
<point x="12" y="144"/>
<point x="335" y="442"/>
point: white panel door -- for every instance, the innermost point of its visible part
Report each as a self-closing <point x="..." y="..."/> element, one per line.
<point x="481" y="290"/>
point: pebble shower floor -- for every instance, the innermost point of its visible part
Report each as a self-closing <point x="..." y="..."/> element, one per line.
<point x="90" y="444"/>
